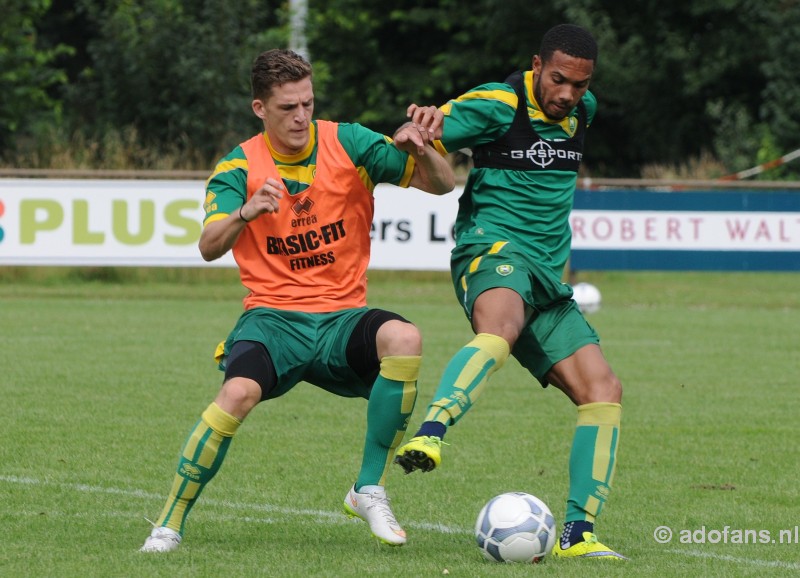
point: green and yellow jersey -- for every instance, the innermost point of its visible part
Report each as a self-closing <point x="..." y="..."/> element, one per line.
<point x="529" y="208"/>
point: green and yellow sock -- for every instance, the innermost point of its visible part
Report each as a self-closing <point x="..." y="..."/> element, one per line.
<point x="465" y="377"/>
<point x="201" y="458"/>
<point x="592" y="460"/>
<point x="390" y="405"/>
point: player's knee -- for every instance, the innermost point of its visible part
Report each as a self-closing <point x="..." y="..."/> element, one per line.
<point x="608" y="389"/>
<point x="614" y="389"/>
<point x="239" y="395"/>
<point x="605" y="388"/>
<point x="399" y="338"/>
<point x="507" y="329"/>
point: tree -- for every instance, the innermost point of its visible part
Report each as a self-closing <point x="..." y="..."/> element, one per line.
<point x="27" y="72"/>
<point x="782" y="92"/>
<point x="414" y="51"/>
<point x="674" y="81"/>
<point x="669" y="74"/>
<point x="174" y="71"/>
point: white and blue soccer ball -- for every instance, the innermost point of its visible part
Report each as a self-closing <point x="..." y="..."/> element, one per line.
<point x="587" y="296"/>
<point x="515" y="527"/>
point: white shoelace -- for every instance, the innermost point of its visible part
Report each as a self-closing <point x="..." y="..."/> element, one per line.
<point x="380" y="502"/>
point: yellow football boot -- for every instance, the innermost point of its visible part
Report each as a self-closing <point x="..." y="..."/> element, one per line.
<point x="589" y="548"/>
<point x="420" y="453"/>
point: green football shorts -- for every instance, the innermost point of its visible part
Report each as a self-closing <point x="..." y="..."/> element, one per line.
<point x="308" y="347"/>
<point x="557" y="328"/>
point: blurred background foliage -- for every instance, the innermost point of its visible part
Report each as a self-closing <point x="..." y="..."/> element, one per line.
<point x="691" y="89"/>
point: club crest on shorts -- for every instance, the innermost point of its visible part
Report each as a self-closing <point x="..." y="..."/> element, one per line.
<point x="504" y="270"/>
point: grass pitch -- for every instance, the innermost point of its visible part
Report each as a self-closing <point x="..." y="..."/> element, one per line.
<point x="104" y="373"/>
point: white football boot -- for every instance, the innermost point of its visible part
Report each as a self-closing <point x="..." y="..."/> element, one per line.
<point x="161" y="539"/>
<point x="373" y="507"/>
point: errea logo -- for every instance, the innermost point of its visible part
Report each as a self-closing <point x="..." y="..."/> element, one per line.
<point x="301" y="206"/>
<point x="190" y="471"/>
<point x="542" y="154"/>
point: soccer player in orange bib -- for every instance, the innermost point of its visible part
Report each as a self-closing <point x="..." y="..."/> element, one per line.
<point x="295" y="205"/>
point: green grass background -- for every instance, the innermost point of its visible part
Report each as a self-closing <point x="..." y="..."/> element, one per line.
<point x="104" y="371"/>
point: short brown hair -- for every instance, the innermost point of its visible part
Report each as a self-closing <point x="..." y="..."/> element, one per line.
<point x="274" y="68"/>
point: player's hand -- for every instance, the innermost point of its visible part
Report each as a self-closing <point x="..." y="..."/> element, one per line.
<point x="264" y="200"/>
<point x="411" y="138"/>
<point x="429" y="118"/>
<point x="421" y="131"/>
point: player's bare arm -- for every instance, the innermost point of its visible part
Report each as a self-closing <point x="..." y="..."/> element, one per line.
<point x="219" y="237"/>
<point x="432" y="172"/>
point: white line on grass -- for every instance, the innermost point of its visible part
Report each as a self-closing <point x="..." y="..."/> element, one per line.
<point x="737" y="560"/>
<point x="331" y="517"/>
<point x="127" y="515"/>
<point x="336" y="517"/>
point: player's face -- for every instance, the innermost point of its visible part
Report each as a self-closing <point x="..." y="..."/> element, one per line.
<point x="560" y="83"/>
<point x="287" y="115"/>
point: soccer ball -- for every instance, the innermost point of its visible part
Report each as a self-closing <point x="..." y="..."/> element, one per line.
<point x="515" y="527"/>
<point x="587" y="296"/>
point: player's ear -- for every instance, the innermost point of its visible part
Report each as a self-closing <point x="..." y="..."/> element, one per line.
<point x="259" y="107"/>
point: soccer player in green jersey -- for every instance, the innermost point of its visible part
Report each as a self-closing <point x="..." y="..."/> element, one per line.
<point x="512" y="244"/>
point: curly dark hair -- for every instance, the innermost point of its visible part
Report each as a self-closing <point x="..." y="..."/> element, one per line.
<point x="274" y="68"/>
<point x="570" y="39"/>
